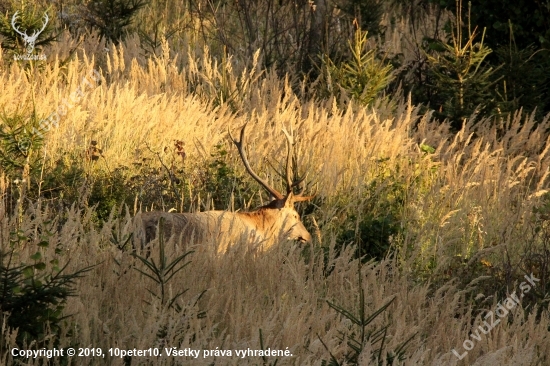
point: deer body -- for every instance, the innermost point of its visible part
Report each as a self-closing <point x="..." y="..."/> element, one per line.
<point x="260" y="229"/>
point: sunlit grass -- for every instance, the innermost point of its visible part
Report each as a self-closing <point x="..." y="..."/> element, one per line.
<point x="474" y="194"/>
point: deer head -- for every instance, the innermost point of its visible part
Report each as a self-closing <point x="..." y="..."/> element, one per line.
<point x="283" y="205"/>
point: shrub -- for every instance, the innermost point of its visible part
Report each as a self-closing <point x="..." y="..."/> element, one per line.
<point x="33" y="294"/>
<point x="20" y="139"/>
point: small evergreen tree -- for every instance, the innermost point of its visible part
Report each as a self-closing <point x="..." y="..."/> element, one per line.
<point x="111" y="17"/>
<point x="363" y="77"/>
<point x="462" y="82"/>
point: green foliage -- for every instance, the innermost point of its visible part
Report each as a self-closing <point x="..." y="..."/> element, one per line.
<point x="33" y="295"/>
<point x="462" y="80"/>
<point x="372" y="234"/>
<point x="427" y="149"/>
<point x="525" y="78"/>
<point x="371" y="225"/>
<point x="88" y="180"/>
<point x="363" y="77"/>
<point x="164" y="271"/>
<point x="220" y="177"/>
<point x="20" y="139"/>
<point x="111" y="17"/>
<point x="75" y="178"/>
<point x="221" y="181"/>
<point x="367" y="13"/>
<point x="181" y="184"/>
<point x="107" y="192"/>
<point x="62" y="179"/>
<point x="356" y="339"/>
<point x="529" y="20"/>
<point x="519" y="32"/>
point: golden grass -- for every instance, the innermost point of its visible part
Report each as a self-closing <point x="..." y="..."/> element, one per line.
<point x="476" y="192"/>
<point x="278" y="293"/>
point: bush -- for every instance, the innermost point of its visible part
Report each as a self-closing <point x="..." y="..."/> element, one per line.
<point x="33" y="295"/>
<point x="375" y="219"/>
<point x="20" y="141"/>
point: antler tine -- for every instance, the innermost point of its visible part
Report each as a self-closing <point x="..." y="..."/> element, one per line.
<point x="289" y="148"/>
<point x="46" y="19"/>
<point x="240" y="148"/>
<point x="289" y="163"/>
<point x="13" y="19"/>
<point x="299" y="198"/>
<point x="297" y="184"/>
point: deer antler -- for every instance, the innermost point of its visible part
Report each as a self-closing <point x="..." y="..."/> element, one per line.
<point x="262" y="182"/>
<point x="290" y="184"/>
<point x="289" y="150"/>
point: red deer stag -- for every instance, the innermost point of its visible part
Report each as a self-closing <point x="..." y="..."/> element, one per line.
<point x="260" y="229"/>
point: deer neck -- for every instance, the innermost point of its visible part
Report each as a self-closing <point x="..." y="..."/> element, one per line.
<point x="264" y="220"/>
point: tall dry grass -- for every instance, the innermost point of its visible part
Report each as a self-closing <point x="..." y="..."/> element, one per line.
<point x="471" y="200"/>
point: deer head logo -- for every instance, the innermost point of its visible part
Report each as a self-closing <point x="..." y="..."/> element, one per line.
<point x="29" y="40"/>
